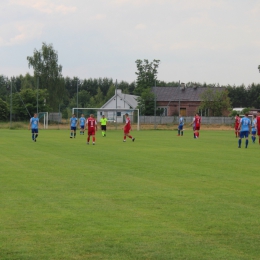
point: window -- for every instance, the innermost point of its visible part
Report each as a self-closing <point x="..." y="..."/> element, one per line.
<point x="118" y="113"/>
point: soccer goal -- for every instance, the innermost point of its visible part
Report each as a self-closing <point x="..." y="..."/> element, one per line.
<point x="44" y="118"/>
<point x="114" y="116"/>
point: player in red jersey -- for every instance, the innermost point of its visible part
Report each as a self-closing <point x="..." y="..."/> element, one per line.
<point x="196" y="122"/>
<point x="91" y="124"/>
<point x="237" y="122"/>
<point x="258" y="126"/>
<point x="127" y="128"/>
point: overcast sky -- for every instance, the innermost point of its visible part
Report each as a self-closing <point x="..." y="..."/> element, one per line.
<point x="210" y="41"/>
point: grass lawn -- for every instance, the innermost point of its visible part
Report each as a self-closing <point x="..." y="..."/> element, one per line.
<point x="160" y="197"/>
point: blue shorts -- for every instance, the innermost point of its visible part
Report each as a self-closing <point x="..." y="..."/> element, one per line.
<point x="35" y="131"/>
<point x="73" y="128"/>
<point x="254" y="132"/>
<point x="82" y="127"/>
<point x="180" y="127"/>
<point x="244" y="134"/>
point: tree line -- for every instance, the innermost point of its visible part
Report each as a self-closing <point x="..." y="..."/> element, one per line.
<point x="57" y="93"/>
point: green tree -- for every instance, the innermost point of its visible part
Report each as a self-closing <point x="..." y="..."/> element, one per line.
<point x="3" y="110"/>
<point x="99" y="98"/>
<point x="146" y="75"/>
<point x="25" y="102"/>
<point x="84" y="98"/>
<point x="28" y="81"/>
<point x="110" y="92"/>
<point x="146" y="103"/>
<point x="216" y="101"/>
<point x="46" y="68"/>
<point x="238" y="96"/>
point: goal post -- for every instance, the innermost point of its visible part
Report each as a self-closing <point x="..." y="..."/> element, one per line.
<point x="44" y="119"/>
<point x="113" y="115"/>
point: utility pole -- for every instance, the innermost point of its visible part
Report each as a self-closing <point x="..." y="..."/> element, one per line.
<point x="77" y="98"/>
<point x="11" y="103"/>
<point x="37" y="93"/>
<point x="179" y="97"/>
<point x="155" y="106"/>
<point x="116" y="104"/>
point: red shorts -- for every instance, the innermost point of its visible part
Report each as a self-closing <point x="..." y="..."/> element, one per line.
<point x="126" y="130"/>
<point x="91" y="132"/>
<point x="258" y="131"/>
<point x="236" y="127"/>
<point x="197" y="127"/>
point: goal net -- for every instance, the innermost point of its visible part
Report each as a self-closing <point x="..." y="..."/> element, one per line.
<point x="114" y="116"/>
<point x="44" y="118"/>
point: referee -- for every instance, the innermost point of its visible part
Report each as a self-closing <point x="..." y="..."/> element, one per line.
<point x="103" y="124"/>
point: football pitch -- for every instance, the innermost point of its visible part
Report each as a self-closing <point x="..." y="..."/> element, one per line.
<point x="160" y="197"/>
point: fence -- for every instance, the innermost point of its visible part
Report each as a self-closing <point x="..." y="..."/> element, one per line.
<point x="188" y="119"/>
<point x="55" y="117"/>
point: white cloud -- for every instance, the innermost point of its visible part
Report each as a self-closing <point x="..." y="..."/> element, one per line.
<point x="45" y="6"/>
<point x="20" y="32"/>
<point x="140" y="26"/>
<point x="98" y="17"/>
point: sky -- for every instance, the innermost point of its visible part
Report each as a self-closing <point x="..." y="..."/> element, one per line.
<point x="211" y="41"/>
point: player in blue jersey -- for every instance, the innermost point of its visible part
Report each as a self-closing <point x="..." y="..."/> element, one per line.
<point x="254" y="127"/>
<point x="245" y="128"/>
<point x="82" y="122"/>
<point x="180" y="126"/>
<point x="73" y="126"/>
<point x="34" y="126"/>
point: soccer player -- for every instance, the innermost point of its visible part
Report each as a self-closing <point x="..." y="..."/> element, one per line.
<point x="180" y="126"/>
<point x="254" y="127"/>
<point x="196" y="125"/>
<point x="34" y="125"/>
<point x="103" y="124"/>
<point x="82" y="122"/>
<point x="245" y="128"/>
<point x="237" y="122"/>
<point x="258" y="126"/>
<point x="73" y="126"/>
<point x="127" y="128"/>
<point x="91" y="124"/>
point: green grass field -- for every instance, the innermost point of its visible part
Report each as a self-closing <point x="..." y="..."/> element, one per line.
<point x="160" y="197"/>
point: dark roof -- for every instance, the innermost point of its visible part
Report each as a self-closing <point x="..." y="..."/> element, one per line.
<point x="176" y="94"/>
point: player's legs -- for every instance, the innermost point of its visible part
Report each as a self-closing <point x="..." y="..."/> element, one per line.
<point x="103" y="128"/>
<point x="246" y="136"/>
<point x="71" y="131"/>
<point x="33" y="134"/>
<point x="253" y="136"/>
<point x="93" y="138"/>
<point x="197" y="134"/>
<point x="82" y="130"/>
<point x="241" y="135"/>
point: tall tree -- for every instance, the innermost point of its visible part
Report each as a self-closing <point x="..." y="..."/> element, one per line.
<point x="146" y="75"/>
<point x="216" y="101"/>
<point x="4" y="87"/>
<point x="49" y="72"/>
<point x="3" y="110"/>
